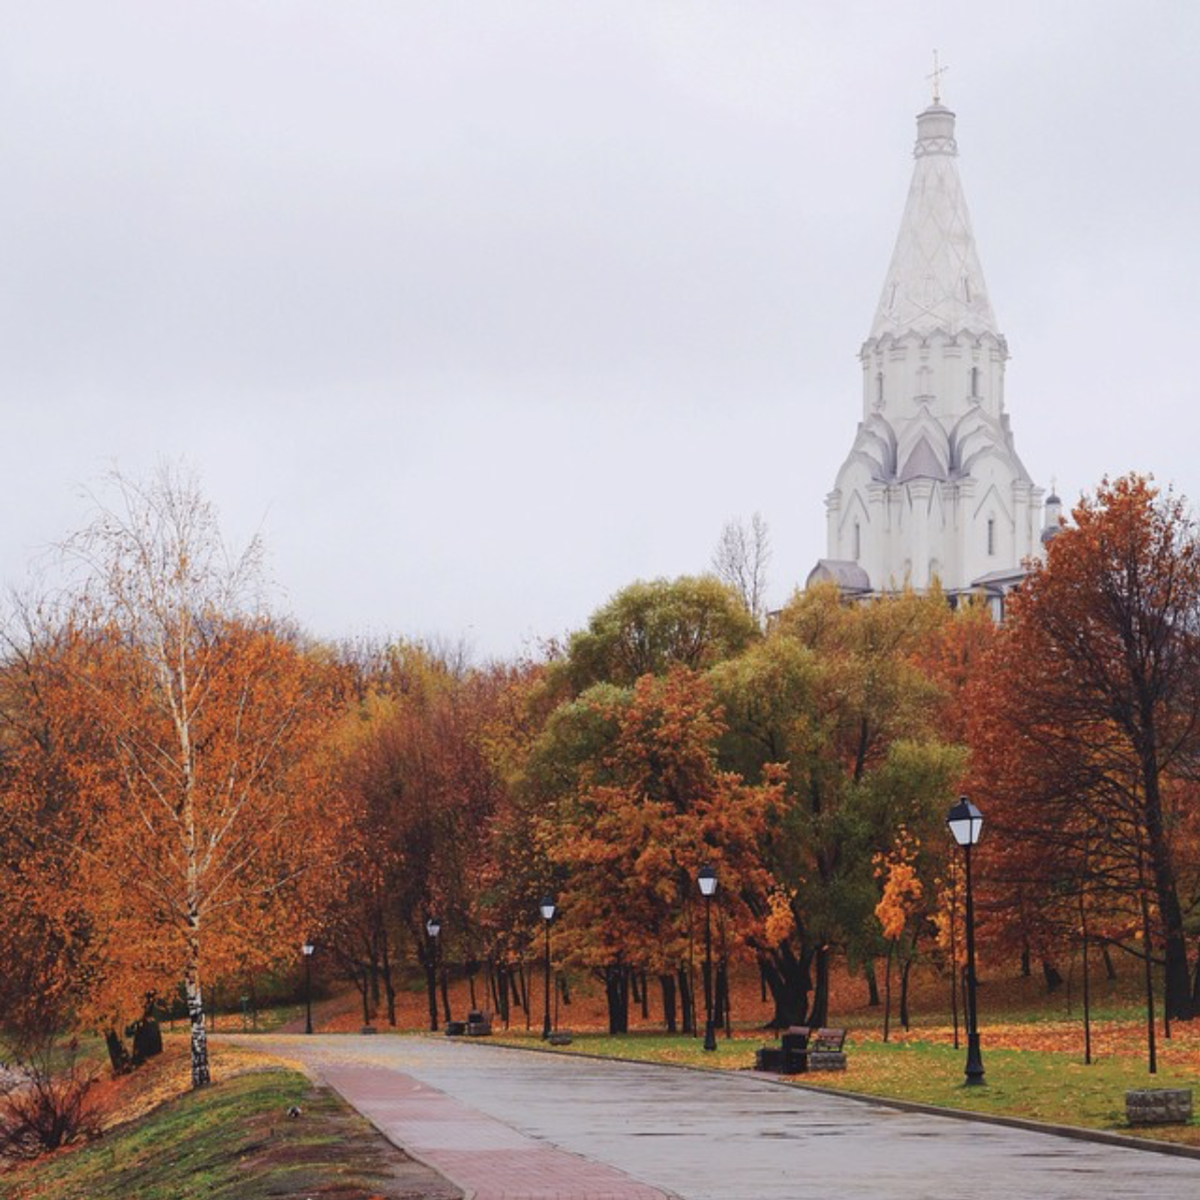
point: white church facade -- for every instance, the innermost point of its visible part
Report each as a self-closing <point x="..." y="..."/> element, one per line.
<point x="933" y="487"/>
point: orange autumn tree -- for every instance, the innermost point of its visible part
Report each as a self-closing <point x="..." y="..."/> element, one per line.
<point x="1086" y="728"/>
<point x="45" y="940"/>
<point x="897" y="912"/>
<point x="413" y="758"/>
<point x="649" y="807"/>
<point x="204" y="831"/>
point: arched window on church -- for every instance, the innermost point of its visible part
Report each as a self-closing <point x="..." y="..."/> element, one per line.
<point x="857" y="541"/>
<point x="974" y="383"/>
<point x="879" y="387"/>
<point x="991" y="535"/>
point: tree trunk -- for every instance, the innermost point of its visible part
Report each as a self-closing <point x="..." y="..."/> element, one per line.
<point x="1050" y="973"/>
<point x="363" y="983"/>
<point x="645" y="999"/>
<point x="887" y="989"/>
<point x="819" y="1013"/>
<point x="723" y="985"/>
<point x="431" y="993"/>
<point x="666" y="982"/>
<point x="118" y="1056"/>
<point x="1177" y="984"/>
<point x="564" y="986"/>
<point x="1110" y="971"/>
<point x="1148" y="947"/>
<point x="686" y="1001"/>
<point x="789" y="980"/>
<point x="526" y="978"/>
<point x="500" y="990"/>
<point x="908" y="962"/>
<point x="195" y="1005"/>
<point x="872" y="983"/>
<point x="389" y="987"/>
<point x="1026" y="959"/>
<point x="445" y="994"/>
<point x="616" y="991"/>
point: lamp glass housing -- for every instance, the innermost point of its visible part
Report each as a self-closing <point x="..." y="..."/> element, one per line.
<point x="433" y="927"/>
<point x="308" y="948"/>
<point x="548" y="908"/>
<point x="965" y="822"/>
<point x="707" y="879"/>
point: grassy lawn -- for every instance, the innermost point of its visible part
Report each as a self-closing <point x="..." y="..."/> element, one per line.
<point x="232" y="1139"/>
<point x="1042" y="1085"/>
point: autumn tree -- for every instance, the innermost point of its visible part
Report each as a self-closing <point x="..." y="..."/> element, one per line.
<point x="186" y="723"/>
<point x="413" y="760"/>
<point x="899" y="913"/>
<point x="1095" y="726"/>
<point x="834" y="693"/>
<point x="646" y="807"/>
<point x="45" y="931"/>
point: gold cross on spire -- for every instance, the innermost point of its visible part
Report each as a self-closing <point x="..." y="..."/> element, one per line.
<point x="936" y="79"/>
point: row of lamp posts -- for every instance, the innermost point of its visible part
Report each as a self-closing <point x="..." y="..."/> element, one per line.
<point x="965" y="823"/>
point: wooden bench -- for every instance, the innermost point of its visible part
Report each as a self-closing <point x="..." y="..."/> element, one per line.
<point x="825" y="1050"/>
<point x="802" y="1050"/>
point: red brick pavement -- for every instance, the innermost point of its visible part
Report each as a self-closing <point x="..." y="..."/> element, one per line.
<point x="485" y="1157"/>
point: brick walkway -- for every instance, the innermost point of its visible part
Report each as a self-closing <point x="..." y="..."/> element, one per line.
<point x="478" y="1153"/>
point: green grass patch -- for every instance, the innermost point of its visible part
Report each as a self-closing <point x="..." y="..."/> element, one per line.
<point x="1035" y="1084"/>
<point x="232" y="1139"/>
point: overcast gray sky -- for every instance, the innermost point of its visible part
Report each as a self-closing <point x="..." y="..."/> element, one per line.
<point x="480" y="311"/>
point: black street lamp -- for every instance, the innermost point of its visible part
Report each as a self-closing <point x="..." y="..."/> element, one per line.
<point x="547" y="906"/>
<point x="965" y="822"/>
<point x="433" y="927"/>
<point x="707" y="879"/>
<point x="308" y="949"/>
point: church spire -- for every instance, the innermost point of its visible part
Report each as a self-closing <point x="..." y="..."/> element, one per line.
<point x="935" y="282"/>
<point x="933" y="488"/>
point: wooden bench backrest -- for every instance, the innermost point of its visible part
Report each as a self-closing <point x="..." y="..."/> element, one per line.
<point x="828" y="1039"/>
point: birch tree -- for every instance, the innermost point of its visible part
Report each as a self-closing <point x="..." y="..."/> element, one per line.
<point x="208" y="813"/>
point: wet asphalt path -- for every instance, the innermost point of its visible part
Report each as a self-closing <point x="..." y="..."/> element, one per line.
<point x="705" y="1136"/>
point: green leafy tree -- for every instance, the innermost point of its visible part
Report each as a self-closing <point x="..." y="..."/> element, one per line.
<point x="834" y="694"/>
<point x="647" y="628"/>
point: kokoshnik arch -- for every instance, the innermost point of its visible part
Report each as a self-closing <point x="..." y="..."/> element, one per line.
<point x="933" y="487"/>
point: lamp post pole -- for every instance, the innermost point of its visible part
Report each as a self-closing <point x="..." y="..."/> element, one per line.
<point x="707" y="879"/>
<point x="432" y="927"/>
<point x="308" y="949"/>
<point x="966" y="822"/>
<point x="547" y="907"/>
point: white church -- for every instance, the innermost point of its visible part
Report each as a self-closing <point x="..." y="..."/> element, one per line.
<point x="933" y="487"/>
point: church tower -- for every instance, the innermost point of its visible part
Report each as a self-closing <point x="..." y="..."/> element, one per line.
<point x="933" y="486"/>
